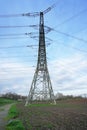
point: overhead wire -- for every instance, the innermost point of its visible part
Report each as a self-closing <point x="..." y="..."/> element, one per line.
<point x="10" y="38"/>
<point x="22" y="46"/>
<point x="34" y="14"/>
<point x="18" y="34"/>
<point x="72" y="17"/>
<point x="20" y="26"/>
<point x="65" y="33"/>
<point x="81" y="30"/>
<point x="71" y="36"/>
<point x="56" y="30"/>
<point x="14" y="56"/>
<point x="13" y="68"/>
<point x="75" y="48"/>
<point x="15" y="62"/>
<point x="10" y="15"/>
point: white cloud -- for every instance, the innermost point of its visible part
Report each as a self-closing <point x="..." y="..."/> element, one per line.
<point x="15" y="77"/>
<point x="67" y="75"/>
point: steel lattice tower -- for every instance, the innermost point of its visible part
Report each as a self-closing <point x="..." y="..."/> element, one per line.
<point x="41" y="87"/>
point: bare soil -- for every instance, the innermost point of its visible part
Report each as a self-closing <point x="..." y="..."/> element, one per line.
<point x="66" y="115"/>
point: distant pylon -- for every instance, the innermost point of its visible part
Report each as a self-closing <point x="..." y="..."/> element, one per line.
<point x="41" y="87"/>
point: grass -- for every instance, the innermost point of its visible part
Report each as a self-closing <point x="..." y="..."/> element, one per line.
<point x="4" y="101"/>
<point x="15" y="125"/>
<point x="13" y="112"/>
<point x="13" y="122"/>
<point x="40" y="105"/>
<point x="59" y="104"/>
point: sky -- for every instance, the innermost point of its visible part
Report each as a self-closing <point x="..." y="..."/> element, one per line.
<point x="66" y="45"/>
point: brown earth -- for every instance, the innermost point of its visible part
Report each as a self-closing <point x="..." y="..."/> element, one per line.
<point x="66" y="115"/>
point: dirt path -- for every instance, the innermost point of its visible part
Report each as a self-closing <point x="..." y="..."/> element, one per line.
<point x="3" y="114"/>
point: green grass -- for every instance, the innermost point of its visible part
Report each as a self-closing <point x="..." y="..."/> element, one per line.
<point x="60" y="105"/>
<point x="13" y="122"/>
<point x="4" y="101"/>
<point x="40" y="105"/>
<point x="13" y="112"/>
<point x="15" y="125"/>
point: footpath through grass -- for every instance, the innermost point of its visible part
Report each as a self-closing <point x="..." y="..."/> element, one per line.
<point x="13" y="121"/>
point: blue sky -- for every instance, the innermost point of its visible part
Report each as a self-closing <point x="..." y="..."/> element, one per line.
<point x="66" y="54"/>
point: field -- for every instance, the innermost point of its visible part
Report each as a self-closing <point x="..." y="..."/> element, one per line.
<point x="70" y="114"/>
<point x="4" y="101"/>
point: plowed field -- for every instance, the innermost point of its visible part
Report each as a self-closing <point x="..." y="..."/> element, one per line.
<point x="65" y="115"/>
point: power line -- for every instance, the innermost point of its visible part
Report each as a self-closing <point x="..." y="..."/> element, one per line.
<point x="68" y="35"/>
<point x="72" y="17"/>
<point x="31" y="34"/>
<point x="2" y="62"/>
<point x="33" y="37"/>
<point x="21" y="26"/>
<point x="8" y="47"/>
<point x="15" y="56"/>
<point x="28" y="34"/>
<point x="47" y="29"/>
<point x="26" y="46"/>
<point x="82" y="29"/>
<point x="75" y="48"/>
<point x="79" y="49"/>
<point x="10" y="38"/>
<point x="33" y="14"/>
<point x="13" y="47"/>
<point x="18" y="34"/>
<point x="13" y="68"/>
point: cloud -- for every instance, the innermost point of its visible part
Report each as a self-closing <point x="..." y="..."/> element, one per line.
<point x="15" y="77"/>
<point x="68" y="75"/>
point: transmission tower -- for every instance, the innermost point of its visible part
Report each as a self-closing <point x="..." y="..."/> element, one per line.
<point x="41" y="87"/>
